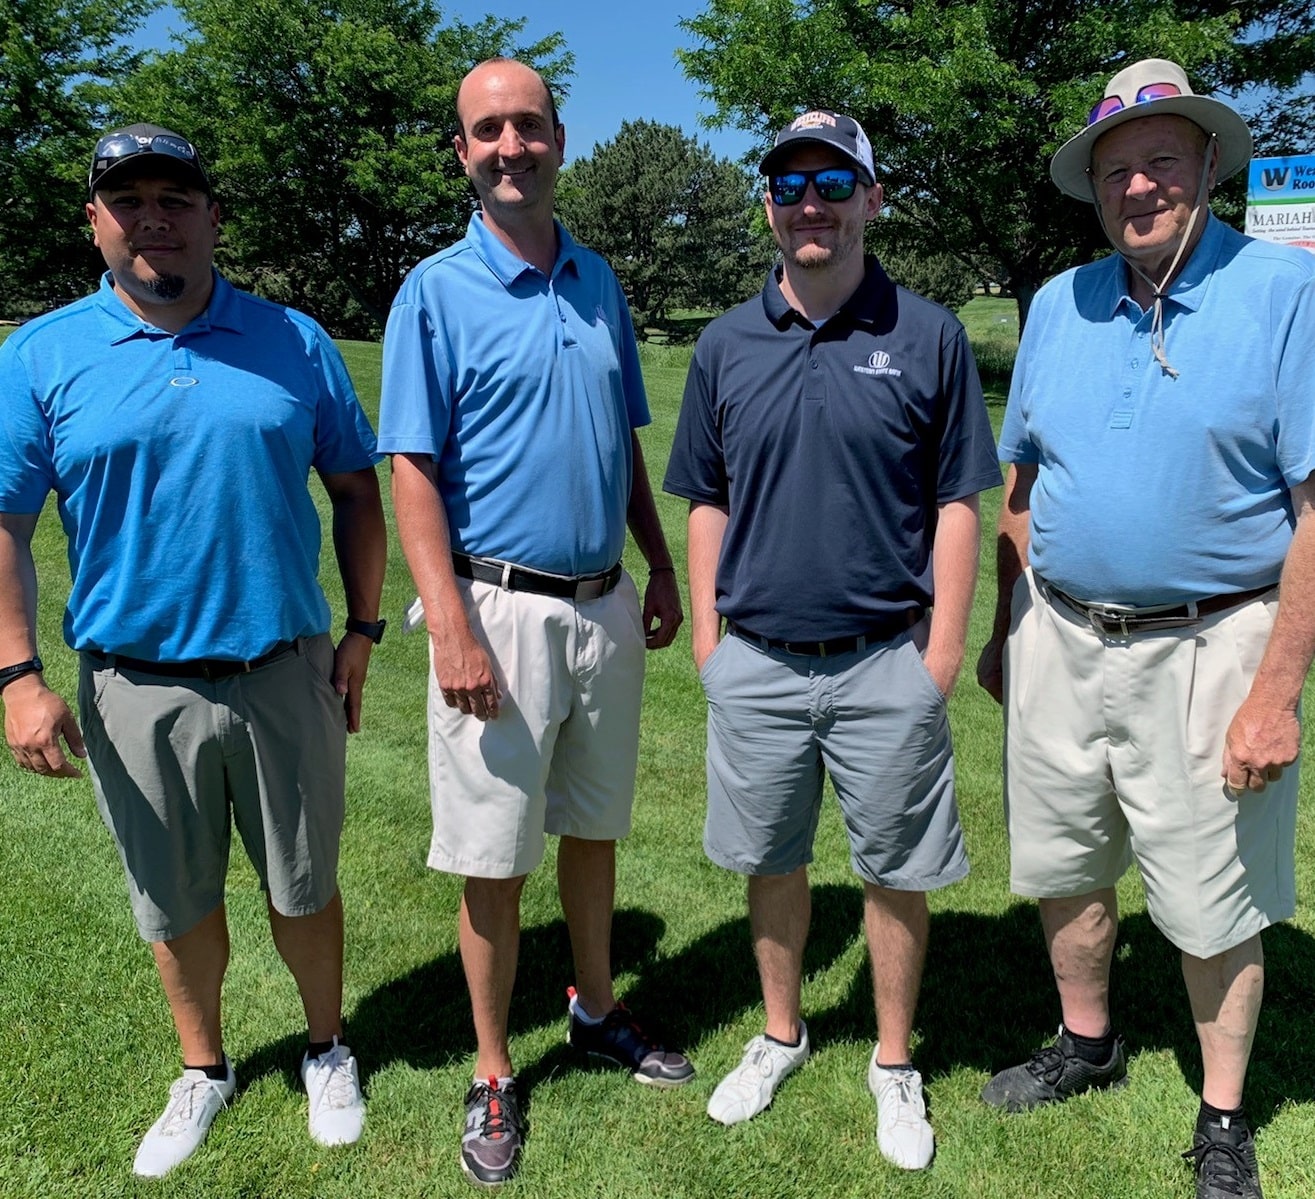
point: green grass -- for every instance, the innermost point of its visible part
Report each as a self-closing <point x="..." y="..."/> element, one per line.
<point x="87" y="1051"/>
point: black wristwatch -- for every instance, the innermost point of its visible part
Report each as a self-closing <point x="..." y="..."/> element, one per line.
<point x="9" y="673"/>
<point x="373" y="629"/>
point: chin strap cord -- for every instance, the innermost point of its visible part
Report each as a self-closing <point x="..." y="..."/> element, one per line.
<point x="1160" y="290"/>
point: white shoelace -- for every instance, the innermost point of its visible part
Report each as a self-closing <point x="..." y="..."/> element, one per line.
<point x="339" y="1088"/>
<point x="185" y="1096"/>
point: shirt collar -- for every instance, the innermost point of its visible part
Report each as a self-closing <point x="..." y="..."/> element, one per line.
<point x="223" y="311"/>
<point x="507" y="266"/>
<point x="1188" y="290"/>
<point x="864" y="306"/>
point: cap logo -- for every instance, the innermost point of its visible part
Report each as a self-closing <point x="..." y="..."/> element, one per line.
<point x="813" y="120"/>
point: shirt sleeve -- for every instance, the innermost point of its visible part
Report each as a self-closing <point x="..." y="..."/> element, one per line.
<point x="632" y="377"/>
<point x="27" y="471"/>
<point x="415" y="407"/>
<point x="1294" y="358"/>
<point x="344" y="440"/>
<point x="968" y="463"/>
<point x="697" y="467"/>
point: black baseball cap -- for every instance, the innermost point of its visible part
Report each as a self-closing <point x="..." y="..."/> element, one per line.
<point x="145" y="149"/>
<point x="828" y="129"/>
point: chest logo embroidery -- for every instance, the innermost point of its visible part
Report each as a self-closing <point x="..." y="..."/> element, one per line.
<point x="878" y="363"/>
<point x="183" y="381"/>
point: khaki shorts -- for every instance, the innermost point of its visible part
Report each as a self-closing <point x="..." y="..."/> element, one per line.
<point x="1113" y="751"/>
<point x="560" y="756"/>
<point x="170" y="758"/>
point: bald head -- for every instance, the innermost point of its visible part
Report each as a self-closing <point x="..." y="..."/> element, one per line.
<point x="502" y="75"/>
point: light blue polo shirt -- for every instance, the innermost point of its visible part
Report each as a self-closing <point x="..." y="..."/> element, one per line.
<point x="524" y="388"/>
<point x="180" y="462"/>
<point x="1156" y="490"/>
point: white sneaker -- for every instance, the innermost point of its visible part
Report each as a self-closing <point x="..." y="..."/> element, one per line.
<point x="903" y="1134"/>
<point x="749" y="1088"/>
<point x="337" y="1108"/>
<point x="194" y="1102"/>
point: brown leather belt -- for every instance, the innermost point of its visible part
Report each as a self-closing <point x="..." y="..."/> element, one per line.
<point x="511" y="577"/>
<point x="1113" y="621"/>
<point x="893" y="627"/>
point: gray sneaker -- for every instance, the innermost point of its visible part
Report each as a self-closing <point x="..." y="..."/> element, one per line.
<point x="494" y="1133"/>
<point x="1054" y="1074"/>
<point x="748" y="1089"/>
<point x="194" y="1102"/>
<point x="903" y="1134"/>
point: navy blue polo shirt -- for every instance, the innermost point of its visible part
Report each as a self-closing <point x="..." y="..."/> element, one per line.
<point x="832" y="449"/>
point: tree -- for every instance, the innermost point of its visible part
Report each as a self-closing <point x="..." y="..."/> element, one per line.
<point x="967" y="100"/>
<point x="328" y="127"/>
<point x="54" y="57"/>
<point x="673" y="220"/>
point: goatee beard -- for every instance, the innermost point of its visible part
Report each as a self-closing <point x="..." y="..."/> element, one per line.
<point x="166" y="287"/>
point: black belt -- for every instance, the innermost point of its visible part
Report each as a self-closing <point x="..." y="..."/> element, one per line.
<point x="209" y="669"/>
<point x="1114" y="621"/>
<point x="893" y="627"/>
<point x="520" y="578"/>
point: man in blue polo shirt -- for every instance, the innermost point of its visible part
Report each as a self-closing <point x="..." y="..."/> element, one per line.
<point x="176" y="420"/>
<point x="1161" y="436"/>
<point x="832" y="444"/>
<point x="510" y="397"/>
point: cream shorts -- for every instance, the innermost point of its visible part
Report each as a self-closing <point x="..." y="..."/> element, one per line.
<point x="1113" y="751"/>
<point x="560" y="756"/>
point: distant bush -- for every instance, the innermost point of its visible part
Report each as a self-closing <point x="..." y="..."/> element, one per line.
<point x="995" y="362"/>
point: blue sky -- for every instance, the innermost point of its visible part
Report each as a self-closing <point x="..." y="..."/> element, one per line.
<point x="625" y="64"/>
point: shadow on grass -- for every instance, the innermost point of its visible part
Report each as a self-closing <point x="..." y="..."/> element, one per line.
<point x="988" y="1001"/>
<point x="423" y="1017"/>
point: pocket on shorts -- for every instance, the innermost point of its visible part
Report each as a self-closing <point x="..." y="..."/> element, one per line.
<point x="1029" y="623"/>
<point x="920" y="669"/>
<point x="706" y="668"/>
<point x="318" y="653"/>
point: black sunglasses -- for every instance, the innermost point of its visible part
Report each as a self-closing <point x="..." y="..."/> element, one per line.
<point x="832" y="184"/>
<point x="115" y="147"/>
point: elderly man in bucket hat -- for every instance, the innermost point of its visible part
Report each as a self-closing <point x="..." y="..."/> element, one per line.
<point x="1155" y="621"/>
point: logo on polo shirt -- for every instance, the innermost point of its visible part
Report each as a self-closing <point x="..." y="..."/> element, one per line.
<point x="878" y="363"/>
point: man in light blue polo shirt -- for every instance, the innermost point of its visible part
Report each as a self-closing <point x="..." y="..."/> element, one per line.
<point x="1161" y="436"/>
<point x="176" y="420"/>
<point x="510" y="397"/>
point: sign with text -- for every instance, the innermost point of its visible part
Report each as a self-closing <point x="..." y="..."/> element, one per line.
<point x="1281" y="200"/>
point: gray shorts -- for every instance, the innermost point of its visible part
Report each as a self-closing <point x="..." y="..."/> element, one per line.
<point x="873" y="720"/>
<point x="170" y="758"/>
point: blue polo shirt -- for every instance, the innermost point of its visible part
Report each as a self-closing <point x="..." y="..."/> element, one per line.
<point x="180" y="463"/>
<point x="524" y="388"/>
<point x="832" y="447"/>
<point x="1153" y="489"/>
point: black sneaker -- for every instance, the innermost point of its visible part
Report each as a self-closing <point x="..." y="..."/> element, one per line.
<point x="1054" y="1074"/>
<point x="1223" y="1153"/>
<point x="491" y="1143"/>
<point x="621" y="1040"/>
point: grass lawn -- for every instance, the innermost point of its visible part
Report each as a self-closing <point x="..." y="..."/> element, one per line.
<point x="87" y="1051"/>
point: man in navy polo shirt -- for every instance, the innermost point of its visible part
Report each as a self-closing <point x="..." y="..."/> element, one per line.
<point x="177" y="420"/>
<point x="511" y="393"/>
<point x="832" y="444"/>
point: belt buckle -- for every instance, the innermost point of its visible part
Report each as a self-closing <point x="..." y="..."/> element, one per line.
<point x="1102" y="618"/>
<point x="590" y="589"/>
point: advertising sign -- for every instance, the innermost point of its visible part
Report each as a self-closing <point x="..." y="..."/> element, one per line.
<point x="1281" y="200"/>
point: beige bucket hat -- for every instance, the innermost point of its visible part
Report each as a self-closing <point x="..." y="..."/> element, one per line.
<point x="1149" y="88"/>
